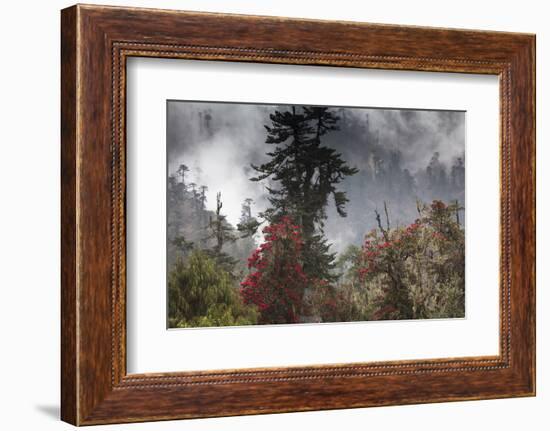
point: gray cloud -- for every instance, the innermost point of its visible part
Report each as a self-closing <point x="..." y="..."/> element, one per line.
<point x="218" y="141"/>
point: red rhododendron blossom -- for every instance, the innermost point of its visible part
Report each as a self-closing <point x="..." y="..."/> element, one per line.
<point x="392" y="257"/>
<point x="277" y="281"/>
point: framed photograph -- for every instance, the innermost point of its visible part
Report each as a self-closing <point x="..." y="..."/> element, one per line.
<point x="267" y="215"/>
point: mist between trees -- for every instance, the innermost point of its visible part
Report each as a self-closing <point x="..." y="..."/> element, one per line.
<point x="339" y="219"/>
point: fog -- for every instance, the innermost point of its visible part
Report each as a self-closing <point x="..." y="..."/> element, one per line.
<point x="390" y="147"/>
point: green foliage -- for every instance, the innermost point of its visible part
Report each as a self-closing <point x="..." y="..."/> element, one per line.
<point x="410" y="272"/>
<point x="203" y="294"/>
<point x="219" y="229"/>
<point x="183" y="245"/>
<point x="307" y="174"/>
<point x="247" y="225"/>
<point x="417" y="271"/>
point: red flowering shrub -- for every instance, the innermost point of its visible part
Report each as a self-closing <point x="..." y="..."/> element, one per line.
<point x="416" y="271"/>
<point x="336" y="303"/>
<point x="410" y="272"/>
<point x="276" y="282"/>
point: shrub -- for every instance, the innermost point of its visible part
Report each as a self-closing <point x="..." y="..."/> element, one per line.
<point x="201" y="293"/>
<point x="276" y="282"/>
<point x="416" y="271"/>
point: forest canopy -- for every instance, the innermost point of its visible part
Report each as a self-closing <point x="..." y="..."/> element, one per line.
<point x="333" y="224"/>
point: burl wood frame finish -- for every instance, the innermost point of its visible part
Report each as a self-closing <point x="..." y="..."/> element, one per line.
<point x="95" y="43"/>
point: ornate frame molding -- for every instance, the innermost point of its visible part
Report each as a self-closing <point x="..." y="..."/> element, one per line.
<point x="96" y="41"/>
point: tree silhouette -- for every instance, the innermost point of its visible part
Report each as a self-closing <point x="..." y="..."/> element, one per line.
<point x="221" y="232"/>
<point x="182" y="170"/>
<point x="247" y="225"/>
<point x="306" y="174"/>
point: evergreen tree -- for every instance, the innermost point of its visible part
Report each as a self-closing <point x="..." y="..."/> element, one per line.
<point x="182" y="170"/>
<point x="458" y="174"/>
<point x="221" y="232"/>
<point x="248" y="225"/>
<point x="437" y="176"/>
<point x="307" y="174"/>
<point x="202" y="197"/>
<point x="246" y="210"/>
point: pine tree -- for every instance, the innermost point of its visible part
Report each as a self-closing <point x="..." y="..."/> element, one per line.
<point x="457" y="173"/>
<point x="307" y="174"/>
<point x="202" y="197"/>
<point x="246" y="210"/>
<point x="182" y="170"/>
<point x="221" y="232"/>
<point x="437" y="176"/>
<point x="247" y="225"/>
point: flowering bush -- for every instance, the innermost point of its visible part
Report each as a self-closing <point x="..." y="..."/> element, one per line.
<point x="333" y="303"/>
<point x="416" y="271"/>
<point x="276" y="282"/>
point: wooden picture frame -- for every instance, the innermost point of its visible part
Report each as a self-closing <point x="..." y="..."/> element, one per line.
<point x="95" y="43"/>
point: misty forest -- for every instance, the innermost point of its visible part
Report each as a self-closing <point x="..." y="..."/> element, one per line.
<point x="281" y="214"/>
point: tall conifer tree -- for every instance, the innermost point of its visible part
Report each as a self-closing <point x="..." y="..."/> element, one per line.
<point x="305" y="174"/>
